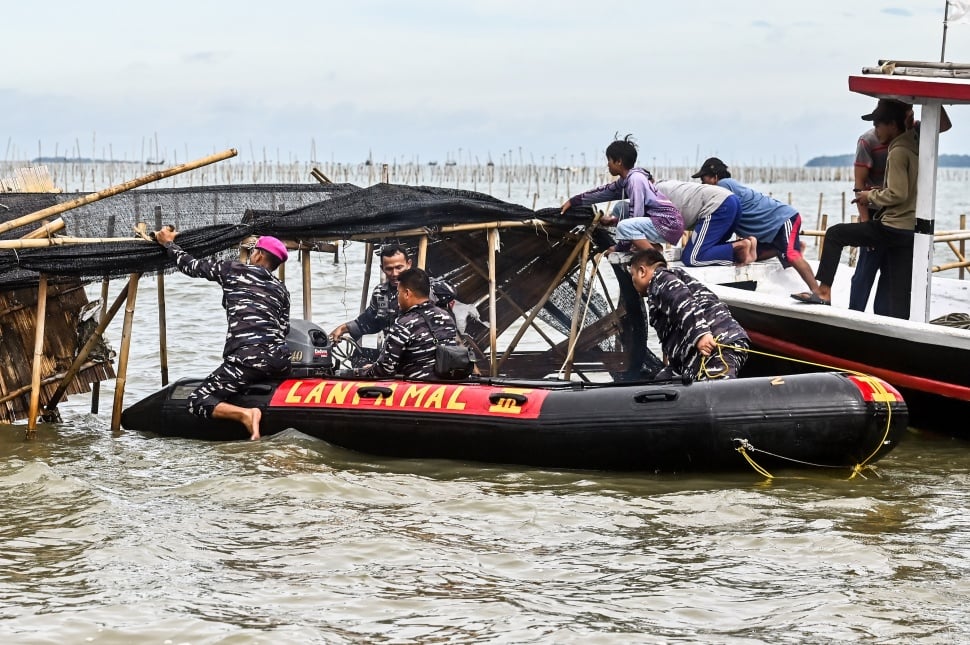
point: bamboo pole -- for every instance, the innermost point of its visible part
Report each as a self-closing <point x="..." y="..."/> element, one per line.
<point x="368" y="263"/>
<point x="122" y="376"/>
<point x="963" y="225"/>
<point x="319" y="176"/>
<point x="950" y="265"/>
<point x="577" y="306"/>
<point x="542" y="301"/>
<point x="39" y="321"/>
<point x="53" y="378"/>
<point x="96" y="387"/>
<point x="512" y="303"/>
<point x="85" y="351"/>
<point x="162" y="324"/>
<point x="422" y="251"/>
<point x="47" y="229"/>
<point x="821" y="240"/>
<point x="492" y="311"/>
<point x="40" y="243"/>
<point x="307" y="302"/>
<point x="114" y="190"/>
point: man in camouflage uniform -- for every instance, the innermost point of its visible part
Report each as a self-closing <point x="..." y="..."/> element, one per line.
<point x="409" y="346"/>
<point x="383" y="307"/>
<point x="700" y="338"/>
<point x="257" y="307"/>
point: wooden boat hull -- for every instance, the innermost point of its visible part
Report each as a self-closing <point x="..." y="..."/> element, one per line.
<point x="828" y="419"/>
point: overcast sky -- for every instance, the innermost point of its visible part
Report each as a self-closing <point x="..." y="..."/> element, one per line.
<point x="751" y="81"/>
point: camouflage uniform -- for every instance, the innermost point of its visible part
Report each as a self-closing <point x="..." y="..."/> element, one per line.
<point x="682" y="310"/>
<point x="409" y="348"/>
<point x="383" y="307"/>
<point x="257" y="307"/>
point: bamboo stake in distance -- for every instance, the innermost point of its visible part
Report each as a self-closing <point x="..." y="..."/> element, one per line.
<point x="114" y="190"/>
<point x="162" y="324"/>
<point x="34" y="408"/>
<point x="492" y="308"/>
<point x="122" y="376"/>
<point x="106" y="317"/>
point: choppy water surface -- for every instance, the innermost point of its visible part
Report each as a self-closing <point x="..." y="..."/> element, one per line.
<point x="128" y="538"/>
<point x="133" y="539"/>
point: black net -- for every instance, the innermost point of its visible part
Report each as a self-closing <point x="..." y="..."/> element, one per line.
<point x="215" y="218"/>
<point x="390" y="208"/>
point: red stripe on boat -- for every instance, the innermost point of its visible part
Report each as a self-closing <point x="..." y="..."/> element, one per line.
<point x="898" y="379"/>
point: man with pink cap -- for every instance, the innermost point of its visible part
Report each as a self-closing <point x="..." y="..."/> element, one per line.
<point x="258" y="311"/>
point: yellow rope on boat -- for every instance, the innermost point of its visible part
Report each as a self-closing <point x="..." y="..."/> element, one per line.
<point x="744" y="453"/>
<point x="880" y="395"/>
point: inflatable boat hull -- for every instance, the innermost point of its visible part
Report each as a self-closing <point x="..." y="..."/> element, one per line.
<point x="828" y="419"/>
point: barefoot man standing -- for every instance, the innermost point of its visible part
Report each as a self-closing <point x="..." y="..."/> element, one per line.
<point x="258" y="311"/>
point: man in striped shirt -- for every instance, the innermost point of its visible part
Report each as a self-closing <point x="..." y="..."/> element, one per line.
<point x="409" y="346"/>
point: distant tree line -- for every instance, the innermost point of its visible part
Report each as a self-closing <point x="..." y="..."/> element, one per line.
<point x="946" y="161"/>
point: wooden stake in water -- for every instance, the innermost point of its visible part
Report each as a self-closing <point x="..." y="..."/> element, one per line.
<point x="122" y="378"/>
<point x="162" y="325"/>
<point x="34" y="409"/>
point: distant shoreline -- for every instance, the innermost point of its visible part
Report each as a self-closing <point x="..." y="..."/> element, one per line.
<point x="829" y="161"/>
<point x="840" y="161"/>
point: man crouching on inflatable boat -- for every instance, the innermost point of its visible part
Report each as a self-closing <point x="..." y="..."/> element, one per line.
<point x="700" y="338"/>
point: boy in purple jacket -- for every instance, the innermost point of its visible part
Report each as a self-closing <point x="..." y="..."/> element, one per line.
<point x="652" y="218"/>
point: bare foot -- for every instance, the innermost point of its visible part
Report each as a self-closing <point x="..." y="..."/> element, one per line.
<point x="745" y="251"/>
<point x="252" y="423"/>
<point x="752" y="254"/>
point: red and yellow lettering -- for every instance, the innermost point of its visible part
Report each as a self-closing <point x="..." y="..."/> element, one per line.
<point x="414" y="392"/>
<point x="428" y="398"/>
<point x="453" y="402"/>
<point x="389" y="401"/>
<point x="292" y="396"/>
<point x="436" y="397"/>
<point x="316" y="394"/>
<point x="339" y="392"/>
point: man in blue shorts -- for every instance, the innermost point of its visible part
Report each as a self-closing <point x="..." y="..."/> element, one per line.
<point x="773" y="223"/>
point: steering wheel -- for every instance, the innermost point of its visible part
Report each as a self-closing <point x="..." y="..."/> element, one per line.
<point x="349" y="353"/>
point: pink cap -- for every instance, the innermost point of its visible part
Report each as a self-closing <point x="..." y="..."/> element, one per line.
<point x="272" y="245"/>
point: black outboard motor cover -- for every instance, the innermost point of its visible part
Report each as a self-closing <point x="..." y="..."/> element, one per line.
<point x="311" y="347"/>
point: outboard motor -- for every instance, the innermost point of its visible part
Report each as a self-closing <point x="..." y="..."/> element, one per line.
<point x="311" y="349"/>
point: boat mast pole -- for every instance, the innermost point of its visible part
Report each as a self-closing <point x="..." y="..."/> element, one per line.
<point x="920" y="297"/>
<point x="946" y="13"/>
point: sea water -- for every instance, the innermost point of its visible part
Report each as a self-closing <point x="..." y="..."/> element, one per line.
<point x="127" y="538"/>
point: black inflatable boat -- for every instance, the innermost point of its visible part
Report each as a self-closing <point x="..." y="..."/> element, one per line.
<point x="806" y="420"/>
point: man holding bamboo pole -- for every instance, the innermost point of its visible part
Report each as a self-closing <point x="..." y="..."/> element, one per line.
<point x="258" y="311"/>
